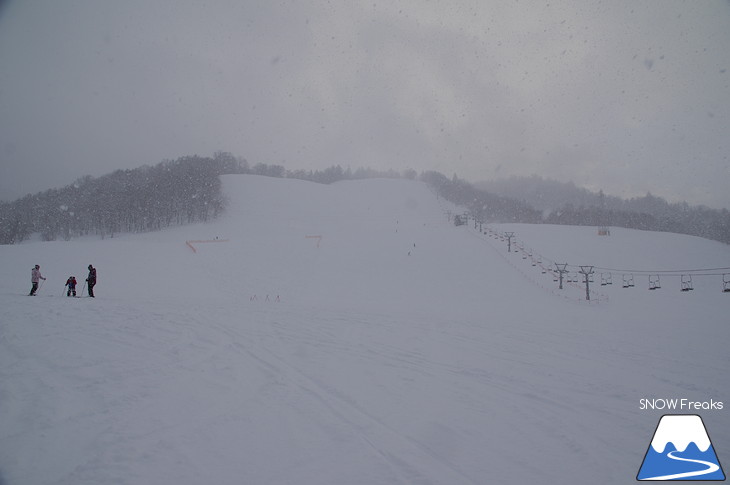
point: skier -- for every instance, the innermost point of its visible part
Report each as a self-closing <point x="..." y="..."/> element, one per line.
<point x="35" y="277"/>
<point x="91" y="280"/>
<point x="71" y="283"/>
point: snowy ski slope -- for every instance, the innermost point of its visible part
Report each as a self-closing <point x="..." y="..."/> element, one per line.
<point x="350" y="334"/>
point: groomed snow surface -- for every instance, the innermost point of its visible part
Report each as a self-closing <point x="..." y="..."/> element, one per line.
<point x="394" y="349"/>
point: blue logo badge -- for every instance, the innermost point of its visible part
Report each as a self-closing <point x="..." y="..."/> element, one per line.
<point x="681" y="450"/>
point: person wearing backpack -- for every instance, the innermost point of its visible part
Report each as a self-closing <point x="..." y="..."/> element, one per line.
<point x="71" y="283"/>
<point x="91" y="280"/>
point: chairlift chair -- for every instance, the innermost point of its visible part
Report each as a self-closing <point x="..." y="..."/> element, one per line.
<point x="628" y="281"/>
<point x="654" y="282"/>
<point x="686" y="282"/>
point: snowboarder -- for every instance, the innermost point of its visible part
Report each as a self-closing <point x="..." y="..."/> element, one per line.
<point x="35" y="277"/>
<point x="91" y="280"/>
<point x="71" y="283"/>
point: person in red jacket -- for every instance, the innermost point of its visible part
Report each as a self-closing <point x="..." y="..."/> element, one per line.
<point x="71" y="283"/>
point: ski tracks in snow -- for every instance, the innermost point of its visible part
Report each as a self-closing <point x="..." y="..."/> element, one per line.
<point x="180" y="393"/>
<point x="402" y="459"/>
<point x="138" y="386"/>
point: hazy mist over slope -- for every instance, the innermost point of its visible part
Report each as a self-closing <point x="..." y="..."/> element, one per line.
<point x="351" y="333"/>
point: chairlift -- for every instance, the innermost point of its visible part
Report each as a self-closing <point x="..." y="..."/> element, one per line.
<point x="628" y="281"/>
<point x="606" y="279"/>
<point x="654" y="282"/>
<point x="686" y="282"/>
<point x="726" y="283"/>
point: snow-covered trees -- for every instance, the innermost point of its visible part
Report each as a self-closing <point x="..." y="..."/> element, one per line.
<point x="144" y="199"/>
<point x="187" y="190"/>
<point x="483" y="205"/>
<point x="536" y="201"/>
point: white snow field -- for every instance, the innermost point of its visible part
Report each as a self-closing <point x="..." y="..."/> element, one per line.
<point x="393" y="348"/>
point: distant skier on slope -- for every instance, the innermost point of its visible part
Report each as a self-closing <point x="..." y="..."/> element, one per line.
<point x="91" y="280"/>
<point x="35" y="277"/>
<point x="71" y="283"/>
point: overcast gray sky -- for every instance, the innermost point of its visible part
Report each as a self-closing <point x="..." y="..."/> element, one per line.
<point x="625" y="96"/>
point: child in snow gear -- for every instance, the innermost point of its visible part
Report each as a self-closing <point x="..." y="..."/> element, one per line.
<point x="91" y="280"/>
<point x="35" y="277"/>
<point x="71" y="283"/>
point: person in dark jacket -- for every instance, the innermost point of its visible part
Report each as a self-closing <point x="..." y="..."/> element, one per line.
<point x="91" y="280"/>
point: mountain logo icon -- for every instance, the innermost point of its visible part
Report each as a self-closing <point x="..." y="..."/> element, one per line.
<point x="681" y="450"/>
